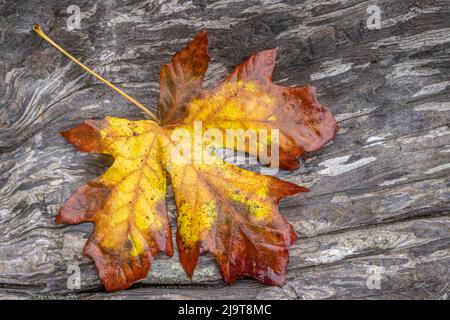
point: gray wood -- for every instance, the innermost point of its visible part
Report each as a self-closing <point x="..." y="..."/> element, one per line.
<point x="380" y="191"/>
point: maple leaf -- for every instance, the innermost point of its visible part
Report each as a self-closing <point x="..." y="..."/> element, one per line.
<point x="126" y="204"/>
<point x="222" y="209"/>
<point x="247" y="99"/>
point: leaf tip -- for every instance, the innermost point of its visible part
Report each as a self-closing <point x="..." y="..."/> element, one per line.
<point x="189" y="266"/>
<point x="283" y="189"/>
<point x="188" y="257"/>
<point x="58" y="218"/>
<point x="202" y="33"/>
<point x="85" y="136"/>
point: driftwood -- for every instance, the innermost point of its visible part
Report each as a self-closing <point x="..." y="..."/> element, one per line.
<point x="376" y="223"/>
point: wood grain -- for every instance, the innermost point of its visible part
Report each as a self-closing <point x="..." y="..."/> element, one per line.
<point x="380" y="192"/>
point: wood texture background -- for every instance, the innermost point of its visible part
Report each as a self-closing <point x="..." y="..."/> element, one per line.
<point x="380" y="192"/>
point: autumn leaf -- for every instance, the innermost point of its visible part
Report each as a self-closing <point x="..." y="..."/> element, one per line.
<point x="126" y="204"/>
<point x="233" y="212"/>
<point x="247" y="99"/>
<point x="221" y="208"/>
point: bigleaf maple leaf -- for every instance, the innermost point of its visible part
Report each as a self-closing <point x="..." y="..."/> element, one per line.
<point x="222" y="208"/>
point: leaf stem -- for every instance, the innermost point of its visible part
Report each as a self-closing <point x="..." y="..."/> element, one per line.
<point x="38" y="30"/>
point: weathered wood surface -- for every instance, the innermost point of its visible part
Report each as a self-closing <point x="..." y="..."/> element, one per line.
<point x="380" y="193"/>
